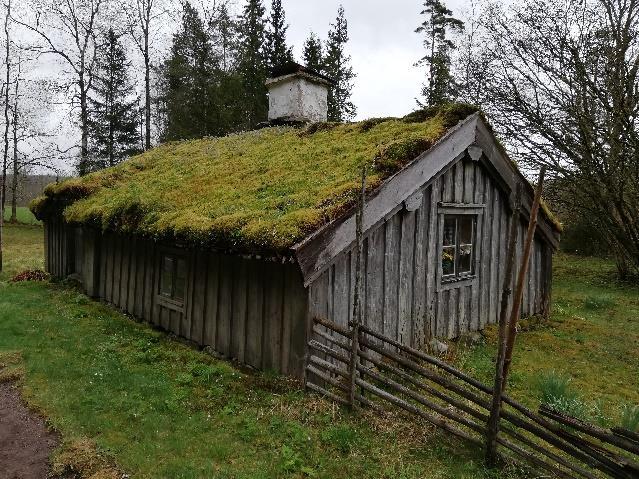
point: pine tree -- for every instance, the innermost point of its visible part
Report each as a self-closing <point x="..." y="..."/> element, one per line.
<point x="113" y="123"/>
<point x="252" y="63"/>
<point x="224" y="32"/>
<point x="313" y="53"/>
<point x="277" y="51"/>
<point x="337" y="66"/>
<point x="440" y="86"/>
<point x="189" y="89"/>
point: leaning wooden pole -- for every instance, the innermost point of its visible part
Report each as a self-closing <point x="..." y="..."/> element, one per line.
<point x="523" y="270"/>
<point x="493" y="423"/>
<point x="357" y="300"/>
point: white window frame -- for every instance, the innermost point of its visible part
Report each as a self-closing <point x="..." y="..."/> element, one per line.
<point x="459" y="210"/>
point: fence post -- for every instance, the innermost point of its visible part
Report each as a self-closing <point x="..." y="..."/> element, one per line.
<point x="508" y="329"/>
<point x="523" y="269"/>
<point x="495" y="411"/>
<point x="357" y="302"/>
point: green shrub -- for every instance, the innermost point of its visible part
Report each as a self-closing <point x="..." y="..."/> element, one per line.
<point x="597" y="302"/>
<point x="630" y="417"/>
<point x="291" y="462"/>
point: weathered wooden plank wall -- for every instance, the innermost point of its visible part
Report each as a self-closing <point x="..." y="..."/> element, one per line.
<point x="404" y="297"/>
<point x="250" y="310"/>
<point x="57" y="254"/>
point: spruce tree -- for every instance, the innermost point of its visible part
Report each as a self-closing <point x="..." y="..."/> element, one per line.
<point x="313" y="54"/>
<point x="337" y="66"/>
<point x="277" y="51"/>
<point x="113" y="124"/>
<point x="189" y="88"/>
<point x="252" y="63"/>
<point x="224" y="32"/>
<point x="440" y="86"/>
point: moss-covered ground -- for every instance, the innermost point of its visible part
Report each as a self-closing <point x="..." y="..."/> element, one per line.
<point x="126" y="397"/>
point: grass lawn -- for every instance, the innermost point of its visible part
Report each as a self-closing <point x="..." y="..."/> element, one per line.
<point x="23" y="249"/>
<point x="591" y="340"/>
<point x="23" y="214"/>
<point x="124" y="395"/>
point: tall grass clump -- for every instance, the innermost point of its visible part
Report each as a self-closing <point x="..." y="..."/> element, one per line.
<point x="598" y="302"/>
<point x="630" y="418"/>
<point x="555" y="391"/>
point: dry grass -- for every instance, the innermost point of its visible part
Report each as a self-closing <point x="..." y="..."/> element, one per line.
<point x="81" y="458"/>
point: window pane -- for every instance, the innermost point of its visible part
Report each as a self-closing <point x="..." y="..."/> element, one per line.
<point x="450" y="230"/>
<point x="448" y="260"/>
<point x="465" y="258"/>
<point x="180" y="280"/>
<point x="166" y="276"/>
<point x="466" y="229"/>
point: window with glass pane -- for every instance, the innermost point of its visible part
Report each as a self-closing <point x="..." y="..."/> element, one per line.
<point x="457" y="246"/>
<point x="449" y="246"/>
<point x="180" y="280"/>
<point x="166" y="276"/>
<point x="173" y="277"/>
<point x="466" y="226"/>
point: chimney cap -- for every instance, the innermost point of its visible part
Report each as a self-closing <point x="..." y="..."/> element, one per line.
<point x="290" y="69"/>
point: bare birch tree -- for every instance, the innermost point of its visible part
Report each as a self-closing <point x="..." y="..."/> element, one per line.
<point x="563" y="92"/>
<point x="14" y="124"/>
<point x="28" y="137"/>
<point x="68" y="29"/>
<point x="142" y="18"/>
<point x="3" y="188"/>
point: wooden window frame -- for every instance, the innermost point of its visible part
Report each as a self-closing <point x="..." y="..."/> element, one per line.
<point x="459" y="210"/>
<point x="170" y="301"/>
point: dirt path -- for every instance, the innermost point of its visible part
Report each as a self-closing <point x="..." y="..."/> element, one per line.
<point x="25" y="441"/>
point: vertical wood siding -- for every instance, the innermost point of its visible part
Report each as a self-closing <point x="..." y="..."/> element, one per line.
<point x="404" y="297"/>
<point x="253" y="311"/>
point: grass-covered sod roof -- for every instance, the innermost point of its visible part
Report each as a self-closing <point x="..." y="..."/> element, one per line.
<point x="263" y="190"/>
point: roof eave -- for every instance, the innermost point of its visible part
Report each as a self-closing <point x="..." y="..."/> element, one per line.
<point x="317" y="250"/>
<point x="471" y="136"/>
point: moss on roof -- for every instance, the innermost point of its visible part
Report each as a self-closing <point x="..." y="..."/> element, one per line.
<point x="263" y="190"/>
<point x="260" y="191"/>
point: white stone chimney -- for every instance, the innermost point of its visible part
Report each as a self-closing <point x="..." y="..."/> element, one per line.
<point x="297" y="94"/>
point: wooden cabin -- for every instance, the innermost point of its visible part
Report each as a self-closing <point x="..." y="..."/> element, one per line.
<point x="237" y="243"/>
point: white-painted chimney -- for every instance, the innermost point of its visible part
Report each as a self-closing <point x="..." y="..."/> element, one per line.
<point x="297" y="94"/>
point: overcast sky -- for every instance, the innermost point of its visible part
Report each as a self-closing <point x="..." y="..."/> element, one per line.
<point x="383" y="47"/>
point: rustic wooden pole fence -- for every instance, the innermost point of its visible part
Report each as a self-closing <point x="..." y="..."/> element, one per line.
<point x="589" y="429"/>
<point x="416" y="382"/>
<point x="355" y="365"/>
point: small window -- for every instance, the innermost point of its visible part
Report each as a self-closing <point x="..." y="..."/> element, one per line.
<point x="457" y="246"/>
<point x="173" y="277"/>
